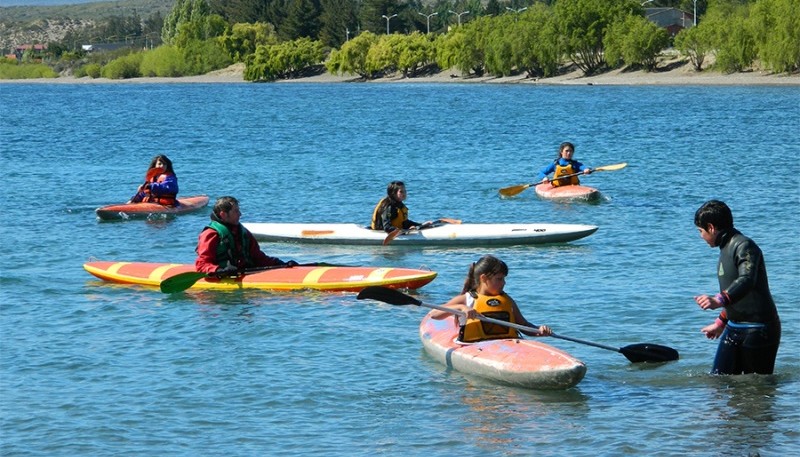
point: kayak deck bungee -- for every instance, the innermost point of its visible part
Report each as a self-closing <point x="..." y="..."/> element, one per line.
<point x="143" y="210"/>
<point x="525" y="363"/>
<point x="323" y="278"/>
<point x="564" y="193"/>
<point x="442" y="235"/>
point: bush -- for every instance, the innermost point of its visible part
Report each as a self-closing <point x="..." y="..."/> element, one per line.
<point x="124" y="67"/>
<point x="164" y="61"/>
<point x="12" y="70"/>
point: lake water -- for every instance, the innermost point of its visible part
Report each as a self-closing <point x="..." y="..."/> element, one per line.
<point x="88" y="368"/>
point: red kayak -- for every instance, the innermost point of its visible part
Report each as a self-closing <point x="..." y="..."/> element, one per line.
<point x="143" y="210"/>
<point x="566" y="193"/>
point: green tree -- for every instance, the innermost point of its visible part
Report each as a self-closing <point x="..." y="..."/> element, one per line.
<point x="465" y="47"/>
<point x="352" y="57"/>
<point x="416" y="52"/>
<point x="164" y="61"/>
<point x="338" y="21"/>
<point x="694" y="43"/>
<point x="384" y="54"/>
<point x="183" y="11"/>
<point x="537" y="48"/>
<point x="635" y="41"/>
<point x="289" y="59"/>
<point x="583" y="24"/>
<point x="242" y="39"/>
<point x="732" y="39"/>
<point x="775" y="25"/>
<point x="302" y="20"/>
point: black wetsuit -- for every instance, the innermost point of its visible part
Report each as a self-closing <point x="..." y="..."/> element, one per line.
<point x="752" y="335"/>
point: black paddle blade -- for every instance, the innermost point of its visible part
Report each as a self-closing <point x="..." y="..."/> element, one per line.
<point x="647" y="352"/>
<point x="387" y="295"/>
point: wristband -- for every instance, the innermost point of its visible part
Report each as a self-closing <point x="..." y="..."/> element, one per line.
<point x="719" y="322"/>
<point x="722" y="298"/>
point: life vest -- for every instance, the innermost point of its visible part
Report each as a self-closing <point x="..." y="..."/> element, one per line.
<point x="563" y="170"/>
<point x="500" y="307"/>
<point x="397" y="222"/>
<point x="161" y="199"/>
<point x="227" y="252"/>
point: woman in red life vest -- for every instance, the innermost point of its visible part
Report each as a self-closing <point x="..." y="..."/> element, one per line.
<point x="483" y="294"/>
<point x="161" y="184"/>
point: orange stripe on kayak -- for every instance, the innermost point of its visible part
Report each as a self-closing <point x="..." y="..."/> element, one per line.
<point x="316" y="232"/>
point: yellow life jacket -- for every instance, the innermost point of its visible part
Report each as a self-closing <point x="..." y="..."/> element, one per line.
<point x="500" y="307"/>
<point x="397" y="222"/>
<point x="563" y="170"/>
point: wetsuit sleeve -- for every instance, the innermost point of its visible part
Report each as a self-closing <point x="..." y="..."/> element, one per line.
<point x="207" y="243"/>
<point x="169" y="186"/>
<point x="748" y="258"/>
<point x="408" y="223"/>
<point x="579" y="166"/>
<point x="546" y="171"/>
<point x="259" y="258"/>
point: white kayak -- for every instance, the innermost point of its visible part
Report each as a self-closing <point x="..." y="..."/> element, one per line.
<point x="442" y="235"/>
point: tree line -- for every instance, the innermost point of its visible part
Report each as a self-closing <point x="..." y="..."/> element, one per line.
<point x="498" y="38"/>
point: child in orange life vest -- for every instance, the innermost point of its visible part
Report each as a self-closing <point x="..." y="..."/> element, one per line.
<point x="483" y="294"/>
<point x="161" y="184"/>
<point x="564" y="165"/>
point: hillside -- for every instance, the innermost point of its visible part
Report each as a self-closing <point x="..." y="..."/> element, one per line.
<point x="41" y="24"/>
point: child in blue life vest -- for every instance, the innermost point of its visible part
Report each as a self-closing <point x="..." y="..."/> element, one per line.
<point x="565" y="170"/>
<point x="748" y="325"/>
<point x="161" y="184"/>
<point x="483" y="294"/>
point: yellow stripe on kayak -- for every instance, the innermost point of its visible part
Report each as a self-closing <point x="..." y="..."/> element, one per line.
<point x="157" y="275"/>
<point x="113" y="270"/>
<point x="314" y="275"/>
<point x="378" y="274"/>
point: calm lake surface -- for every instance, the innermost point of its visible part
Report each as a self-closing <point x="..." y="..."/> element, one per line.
<point x="88" y="368"/>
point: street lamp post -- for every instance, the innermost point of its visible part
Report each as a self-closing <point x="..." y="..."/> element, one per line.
<point x="387" y="21"/>
<point x="516" y="10"/>
<point x="646" y="2"/>
<point x="428" y="17"/>
<point x="694" y="16"/>
<point x="459" y="15"/>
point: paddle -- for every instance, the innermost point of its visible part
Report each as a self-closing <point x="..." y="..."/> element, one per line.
<point x="183" y="281"/>
<point x="636" y="353"/>
<point x="514" y="190"/>
<point x="439" y="222"/>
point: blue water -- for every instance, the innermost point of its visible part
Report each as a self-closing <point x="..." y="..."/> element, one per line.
<point x="88" y="368"/>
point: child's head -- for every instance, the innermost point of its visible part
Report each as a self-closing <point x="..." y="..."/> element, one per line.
<point x="488" y="268"/>
<point x="162" y="161"/>
<point x="716" y="213"/>
<point x="566" y="150"/>
<point x="226" y="209"/>
<point x="396" y="190"/>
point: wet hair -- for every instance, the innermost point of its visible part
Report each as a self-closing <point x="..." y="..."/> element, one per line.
<point x="224" y="204"/>
<point x="393" y="187"/>
<point x="488" y="265"/>
<point x="716" y="213"/>
<point x="164" y="159"/>
<point x="562" y="146"/>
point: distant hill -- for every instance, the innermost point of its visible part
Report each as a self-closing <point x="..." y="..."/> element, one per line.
<point x="43" y="21"/>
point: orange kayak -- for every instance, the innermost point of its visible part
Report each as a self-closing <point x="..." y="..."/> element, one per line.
<point x="141" y="210"/>
<point x="326" y="278"/>
<point x="563" y="193"/>
<point x="517" y="362"/>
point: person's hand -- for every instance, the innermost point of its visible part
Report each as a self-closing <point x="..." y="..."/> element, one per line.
<point x="587" y="171"/>
<point x="545" y="330"/>
<point x="544" y="180"/>
<point x="226" y="272"/>
<point x="707" y="302"/>
<point x="291" y="263"/>
<point x="714" y="330"/>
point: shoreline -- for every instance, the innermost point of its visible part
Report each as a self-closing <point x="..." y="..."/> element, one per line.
<point x="675" y="72"/>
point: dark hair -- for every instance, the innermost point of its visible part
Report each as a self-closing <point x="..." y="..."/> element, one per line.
<point x="562" y="146"/>
<point x="224" y="204"/>
<point x="392" y="188"/>
<point x="164" y="159"/>
<point x="716" y="213"/>
<point x="488" y="265"/>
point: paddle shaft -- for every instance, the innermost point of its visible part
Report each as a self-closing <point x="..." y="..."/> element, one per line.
<point x="397" y="232"/>
<point x="523" y="328"/>
<point x="514" y="190"/>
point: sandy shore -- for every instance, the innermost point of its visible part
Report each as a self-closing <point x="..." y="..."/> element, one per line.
<point x="674" y="72"/>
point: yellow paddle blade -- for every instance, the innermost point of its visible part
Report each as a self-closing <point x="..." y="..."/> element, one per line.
<point x="513" y="190"/>
<point x="616" y="166"/>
